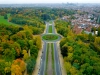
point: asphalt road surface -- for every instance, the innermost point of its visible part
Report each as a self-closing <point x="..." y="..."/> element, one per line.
<point x="43" y="60"/>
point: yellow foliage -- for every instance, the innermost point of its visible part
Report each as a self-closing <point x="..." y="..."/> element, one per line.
<point x="70" y="55"/>
<point x="24" y="51"/>
<point x="97" y="43"/>
<point x="25" y="54"/>
<point x="38" y="41"/>
<point x="67" y="66"/>
<point x="26" y="28"/>
<point x="70" y="49"/>
<point x="65" y="59"/>
<point x="73" y="71"/>
<point x="8" y="66"/>
<point x="18" y="67"/>
<point x="16" y="70"/>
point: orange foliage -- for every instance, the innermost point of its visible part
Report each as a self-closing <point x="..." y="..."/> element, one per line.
<point x="18" y="67"/>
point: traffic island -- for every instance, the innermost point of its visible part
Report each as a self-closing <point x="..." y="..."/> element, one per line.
<point x="50" y="37"/>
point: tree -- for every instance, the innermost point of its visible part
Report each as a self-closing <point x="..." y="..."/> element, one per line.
<point x="98" y="31"/>
<point x="89" y="70"/>
<point x="69" y="57"/>
<point x="64" y="50"/>
<point x="8" y="67"/>
<point x="18" y="67"/>
<point x="17" y="48"/>
<point x="67" y="66"/>
<point x="45" y="17"/>
<point x="16" y="70"/>
<point x="73" y="71"/>
<point x="97" y="44"/>
<point x="34" y="51"/>
<point x="38" y="42"/>
<point x="26" y="56"/>
<point x="2" y="67"/>
<point x="9" y="54"/>
<point x="30" y="65"/>
<point x="5" y="16"/>
<point x="22" y="43"/>
<point x="90" y="37"/>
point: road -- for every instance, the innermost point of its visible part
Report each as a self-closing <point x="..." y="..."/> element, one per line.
<point x="43" y="57"/>
<point x="57" y="63"/>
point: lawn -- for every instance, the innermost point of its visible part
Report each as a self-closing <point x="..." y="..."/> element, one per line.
<point x="50" y="22"/>
<point x="52" y="47"/>
<point x="5" y="21"/>
<point x="50" y="29"/>
<point x="50" y="37"/>
<point x="47" y="58"/>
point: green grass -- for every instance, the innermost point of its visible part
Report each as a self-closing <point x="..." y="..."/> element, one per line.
<point x="8" y="15"/>
<point x="52" y="53"/>
<point x="52" y="48"/>
<point x="50" y="37"/>
<point x="5" y="21"/>
<point x="47" y="58"/>
<point x="50" y="22"/>
<point x="50" y="29"/>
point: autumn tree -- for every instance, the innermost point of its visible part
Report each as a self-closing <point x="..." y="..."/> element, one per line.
<point x="18" y="67"/>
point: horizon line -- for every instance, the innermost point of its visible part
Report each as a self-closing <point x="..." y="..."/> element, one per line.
<point x="52" y="3"/>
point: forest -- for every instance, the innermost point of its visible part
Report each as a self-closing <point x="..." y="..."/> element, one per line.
<point x="81" y="52"/>
<point x="18" y="47"/>
<point x="19" y="43"/>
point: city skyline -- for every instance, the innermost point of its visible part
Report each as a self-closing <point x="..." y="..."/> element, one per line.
<point x="45" y="1"/>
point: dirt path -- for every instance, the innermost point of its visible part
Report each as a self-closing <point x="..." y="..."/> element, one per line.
<point x="49" y="65"/>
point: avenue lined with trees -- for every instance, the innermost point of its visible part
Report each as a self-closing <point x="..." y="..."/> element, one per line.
<point x="20" y="41"/>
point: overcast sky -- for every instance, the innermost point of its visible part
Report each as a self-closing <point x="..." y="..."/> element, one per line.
<point x="47" y="1"/>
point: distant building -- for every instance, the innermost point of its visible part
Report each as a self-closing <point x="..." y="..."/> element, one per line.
<point x="77" y="30"/>
<point x="96" y="32"/>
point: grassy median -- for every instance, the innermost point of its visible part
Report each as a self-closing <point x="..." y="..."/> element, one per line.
<point x="47" y="58"/>
<point x="50" y="29"/>
<point x="50" y="37"/>
<point x="52" y="47"/>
